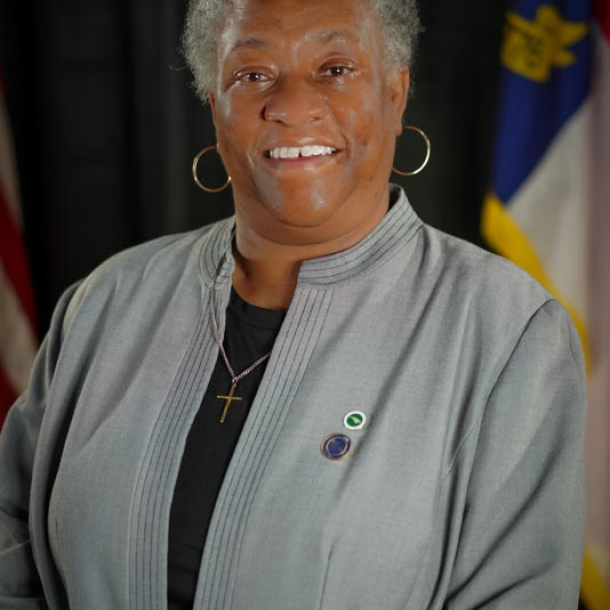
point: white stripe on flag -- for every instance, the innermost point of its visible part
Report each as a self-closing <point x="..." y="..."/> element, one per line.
<point x="551" y="207"/>
<point x="8" y="171"/>
<point x="17" y="341"/>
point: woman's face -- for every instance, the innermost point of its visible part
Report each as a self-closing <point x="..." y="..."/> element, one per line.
<point x="306" y="116"/>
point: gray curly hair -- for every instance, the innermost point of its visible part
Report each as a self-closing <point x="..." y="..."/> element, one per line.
<point x="399" y="21"/>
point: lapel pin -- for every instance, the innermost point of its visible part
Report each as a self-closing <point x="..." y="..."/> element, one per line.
<point x="354" y="420"/>
<point x="336" y="446"/>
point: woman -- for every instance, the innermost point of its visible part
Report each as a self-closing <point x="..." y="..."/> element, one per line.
<point x="319" y="403"/>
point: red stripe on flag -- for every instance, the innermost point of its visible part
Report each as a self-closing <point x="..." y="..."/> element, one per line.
<point x="14" y="259"/>
<point x="602" y="15"/>
<point x="7" y="396"/>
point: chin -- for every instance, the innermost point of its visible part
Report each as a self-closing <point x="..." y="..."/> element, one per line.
<point x="311" y="211"/>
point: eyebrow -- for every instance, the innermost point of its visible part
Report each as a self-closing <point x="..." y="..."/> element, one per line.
<point x="325" y="36"/>
<point x="248" y="43"/>
<point x="334" y="35"/>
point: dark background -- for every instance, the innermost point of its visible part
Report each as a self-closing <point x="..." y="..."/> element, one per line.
<point x="106" y="125"/>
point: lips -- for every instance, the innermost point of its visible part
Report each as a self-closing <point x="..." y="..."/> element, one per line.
<point x="296" y="152"/>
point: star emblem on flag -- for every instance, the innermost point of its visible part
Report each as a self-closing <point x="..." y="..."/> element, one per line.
<point x="533" y="49"/>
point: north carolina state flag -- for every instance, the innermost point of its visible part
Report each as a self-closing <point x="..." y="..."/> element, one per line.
<point x="548" y="207"/>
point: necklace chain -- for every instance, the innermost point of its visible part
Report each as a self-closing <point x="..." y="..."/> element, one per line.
<point x="234" y="378"/>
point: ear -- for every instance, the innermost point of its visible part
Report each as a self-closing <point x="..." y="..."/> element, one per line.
<point x="212" y="100"/>
<point x="399" y="92"/>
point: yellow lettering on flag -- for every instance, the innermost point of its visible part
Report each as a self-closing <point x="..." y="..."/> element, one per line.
<point x="533" y="48"/>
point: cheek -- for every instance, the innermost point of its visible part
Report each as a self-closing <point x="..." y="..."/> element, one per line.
<point x="223" y="124"/>
<point x="234" y="135"/>
<point x="365" y="130"/>
<point x="365" y="122"/>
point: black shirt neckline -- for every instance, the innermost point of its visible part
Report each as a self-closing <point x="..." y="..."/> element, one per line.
<point x="252" y="314"/>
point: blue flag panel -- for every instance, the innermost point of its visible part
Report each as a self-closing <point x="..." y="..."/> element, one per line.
<point x="546" y="58"/>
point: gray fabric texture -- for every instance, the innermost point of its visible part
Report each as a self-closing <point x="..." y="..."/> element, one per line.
<point x="464" y="490"/>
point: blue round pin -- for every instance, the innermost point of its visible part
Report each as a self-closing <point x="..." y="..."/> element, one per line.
<point x="336" y="446"/>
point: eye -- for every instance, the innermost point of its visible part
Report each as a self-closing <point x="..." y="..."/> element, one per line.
<point x="251" y="76"/>
<point x="337" y="71"/>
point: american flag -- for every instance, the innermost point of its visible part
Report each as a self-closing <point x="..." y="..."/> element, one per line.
<point x="17" y="315"/>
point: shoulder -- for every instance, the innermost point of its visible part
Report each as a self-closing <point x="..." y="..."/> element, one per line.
<point x="164" y="255"/>
<point x="481" y="282"/>
<point x="479" y="271"/>
<point x="491" y="303"/>
<point x="144" y="273"/>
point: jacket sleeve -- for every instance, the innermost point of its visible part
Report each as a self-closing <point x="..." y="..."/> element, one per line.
<point x="20" y="586"/>
<point x="522" y="534"/>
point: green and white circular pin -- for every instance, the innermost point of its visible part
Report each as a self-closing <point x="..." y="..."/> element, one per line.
<point x="354" y="420"/>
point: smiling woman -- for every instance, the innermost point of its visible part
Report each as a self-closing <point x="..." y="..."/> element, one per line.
<point x="292" y="77"/>
<point x="319" y="403"/>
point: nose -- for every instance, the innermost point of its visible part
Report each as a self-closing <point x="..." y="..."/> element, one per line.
<point x="295" y="102"/>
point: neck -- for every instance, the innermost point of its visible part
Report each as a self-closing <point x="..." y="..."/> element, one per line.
<point x="267" y="271"/>
<point x="265" y="283"/>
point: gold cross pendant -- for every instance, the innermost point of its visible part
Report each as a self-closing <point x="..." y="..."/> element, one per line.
<point x="229" y="399"/>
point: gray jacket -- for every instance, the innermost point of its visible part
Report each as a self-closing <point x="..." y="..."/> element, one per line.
<point x="463" y="490"/>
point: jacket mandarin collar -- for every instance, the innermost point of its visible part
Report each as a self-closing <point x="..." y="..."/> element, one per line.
<point x="399" y="225"/>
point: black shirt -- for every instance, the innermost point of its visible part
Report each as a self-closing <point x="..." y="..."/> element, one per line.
<point x="250" y="333"/>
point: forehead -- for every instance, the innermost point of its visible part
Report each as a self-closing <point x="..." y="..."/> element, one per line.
<point x="258" y="23"/>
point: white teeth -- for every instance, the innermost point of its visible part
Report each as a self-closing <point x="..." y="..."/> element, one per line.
<point x="303" y="151"/>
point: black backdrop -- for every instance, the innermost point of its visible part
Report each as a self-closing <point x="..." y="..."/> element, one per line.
<point x="106" y="125"/>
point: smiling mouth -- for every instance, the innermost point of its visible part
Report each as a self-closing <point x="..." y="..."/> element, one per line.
<point x="299" y="152"/>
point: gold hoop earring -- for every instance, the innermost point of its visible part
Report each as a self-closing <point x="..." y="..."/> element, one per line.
<point x="428" y="152"/>
<point x="207" y="189"/>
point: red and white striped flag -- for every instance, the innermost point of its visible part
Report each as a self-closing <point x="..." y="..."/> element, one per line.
<point x="17" y="316"/>
<point x="596" y="573"/>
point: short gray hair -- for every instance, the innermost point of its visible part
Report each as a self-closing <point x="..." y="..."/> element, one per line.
<point x="399" y="21"/>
